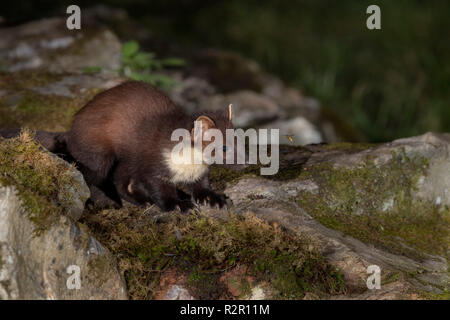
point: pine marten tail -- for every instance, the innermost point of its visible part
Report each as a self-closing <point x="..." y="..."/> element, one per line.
<point x="53" y="141"/>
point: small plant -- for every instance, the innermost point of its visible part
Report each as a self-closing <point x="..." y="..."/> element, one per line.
<point x="141" y="66"/>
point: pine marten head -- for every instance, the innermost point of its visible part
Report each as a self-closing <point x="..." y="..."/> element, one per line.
<point x="207" y="144"/>
<point x="210" y="129"/>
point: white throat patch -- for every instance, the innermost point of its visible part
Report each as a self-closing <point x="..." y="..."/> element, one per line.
<point x="183" y="169"/>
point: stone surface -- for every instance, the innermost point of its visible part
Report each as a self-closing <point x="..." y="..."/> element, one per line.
<point x="277" y="201"/>
<point x="48" y="72"/>
<point x="189" y="91"/>
<point x="178" y="293"/>
<point x="49" y="45"/>
<point x="257" y="293"/>
<point x="391" y="291"/>
<point x="78" y="195"/>
<point x="35" y="265"/>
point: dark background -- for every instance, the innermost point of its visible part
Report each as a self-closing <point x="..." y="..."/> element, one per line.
<point x="386" y="83"/>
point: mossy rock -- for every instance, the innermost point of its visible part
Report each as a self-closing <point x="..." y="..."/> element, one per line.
<point x="368" y="200"/>
<point x="204" y="249"/>
<point x="377" y="205"/>
<point x="43" y="100"/>
<point x="385" y="204"/>
<point x="48" y="186"/>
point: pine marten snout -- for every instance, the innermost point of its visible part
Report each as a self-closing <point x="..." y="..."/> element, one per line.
<point x="121" y="142"/>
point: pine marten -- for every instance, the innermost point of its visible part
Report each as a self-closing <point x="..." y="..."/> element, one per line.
<point x="121" y="142"/>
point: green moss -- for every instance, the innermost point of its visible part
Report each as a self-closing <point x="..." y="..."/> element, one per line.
<point x="349" y="146"/>
<point x="32" y="109"/>
<point x="27" y="79"/>
<point x="205" y="285"/>
<point x="221" y="175"/>
<point x="209" y="248"/>
<point x="376" y="205"/>
<point x="390" y="277"/>
<point x="435" y="296"/>
<point x="100" y="267"/>
<point x="289" y="169"/>
<point x="38" y="177"/>
<point x="243" y="285"/>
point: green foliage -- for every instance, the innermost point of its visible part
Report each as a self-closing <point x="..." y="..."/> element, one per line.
<point x="143" y="66"/>
<point x="435" y="296"/>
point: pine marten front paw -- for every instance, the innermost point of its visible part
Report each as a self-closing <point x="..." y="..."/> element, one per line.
<point x="178" y="205"/>
<point x="184" y="206"/>
<point x="208" y="196"/>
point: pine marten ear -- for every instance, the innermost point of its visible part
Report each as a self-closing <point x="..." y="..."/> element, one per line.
<point x="205" y="122"/>
<point x="230" y="112"/>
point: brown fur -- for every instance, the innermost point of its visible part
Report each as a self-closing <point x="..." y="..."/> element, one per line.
<point x="119" y="138"/>
<point x="117" y="141"/>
